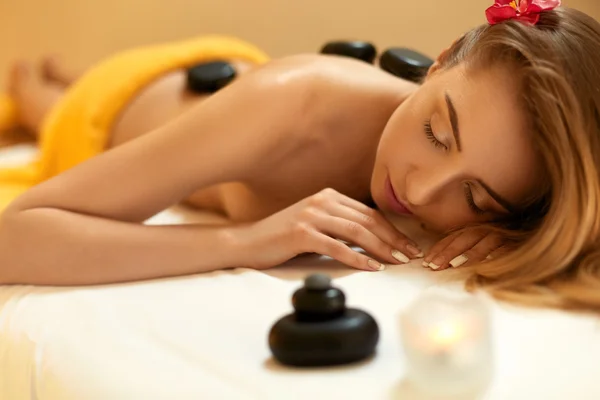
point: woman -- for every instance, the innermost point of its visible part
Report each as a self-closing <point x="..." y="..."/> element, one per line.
<point x="497" y="148"/>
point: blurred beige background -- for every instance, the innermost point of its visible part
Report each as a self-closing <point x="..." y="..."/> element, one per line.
<point x="84" y="31"/>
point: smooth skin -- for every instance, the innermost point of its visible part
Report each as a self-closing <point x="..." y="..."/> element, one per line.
<point x="290" y="153"/>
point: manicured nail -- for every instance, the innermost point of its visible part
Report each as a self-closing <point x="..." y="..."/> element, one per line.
<point x="436" y="263"/>
<point x="458" y="261"/>
<point x="425" y="264"/>
<point x="414" y="250"/>
<point x="375" y="265"/>
<point x="434" y="266"/>
<point x="398" y="255"/>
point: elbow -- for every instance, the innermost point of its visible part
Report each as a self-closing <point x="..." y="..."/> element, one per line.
<point x="9" y="238"/>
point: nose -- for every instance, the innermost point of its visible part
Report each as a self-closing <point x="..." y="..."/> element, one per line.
<point x="427" y="184"/>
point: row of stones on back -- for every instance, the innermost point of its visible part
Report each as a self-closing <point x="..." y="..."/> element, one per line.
<point x="402" y="62"/>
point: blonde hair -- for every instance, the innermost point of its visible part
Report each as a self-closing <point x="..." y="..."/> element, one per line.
<point x="557" y="64"/>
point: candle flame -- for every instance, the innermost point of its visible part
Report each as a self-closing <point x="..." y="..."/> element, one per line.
<point x="447" y="334"/>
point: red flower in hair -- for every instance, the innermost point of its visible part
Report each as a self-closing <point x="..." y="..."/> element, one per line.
<point x="520" y="10"/>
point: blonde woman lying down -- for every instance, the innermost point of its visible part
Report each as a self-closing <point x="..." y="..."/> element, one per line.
<point x="497" y="148"/>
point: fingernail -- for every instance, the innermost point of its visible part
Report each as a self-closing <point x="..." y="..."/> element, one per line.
<point x="436" y="263"/>
<point x="458" y="261"/>
<point x="434" y="266"/>
<point x="375" y="265"/>
<point x="425" y="264"/>
<point x="398" y="255"/>
<point x="414" y="250"/>
<point x="489" y="257"/>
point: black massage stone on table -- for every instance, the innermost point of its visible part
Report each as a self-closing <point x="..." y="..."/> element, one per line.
<point x="210" y="77"/>
<point x="405" y="63"/>
<point x="364" y="51"/>
<point x="322" y="331"/>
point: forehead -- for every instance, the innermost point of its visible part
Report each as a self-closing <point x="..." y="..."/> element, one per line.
<point x="497" y="145"/>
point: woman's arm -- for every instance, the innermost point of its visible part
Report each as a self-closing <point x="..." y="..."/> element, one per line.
<point x="49" y="246"/>
<point x="83" y="227"/>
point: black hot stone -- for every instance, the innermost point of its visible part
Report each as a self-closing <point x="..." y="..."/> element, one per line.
<point x="405" y="63"/>
<point x="210" y="77"/>
<point x="322" y="331"/>
<point x="364" y="51"/>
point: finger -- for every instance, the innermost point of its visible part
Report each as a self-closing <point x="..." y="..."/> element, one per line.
<point x="355" y="233"/>
<point x="497" y="253"/>
<point x="461" y="243"/>
<point x="375" y="222"/>
<point x="403" y="248"/>
<point x="350" y="202"/>
<point x="330" y="247"/>
<point x="478" y="252"/>
<point x="438" y="248"/>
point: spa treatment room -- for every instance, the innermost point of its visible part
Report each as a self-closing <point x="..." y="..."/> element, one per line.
<point x="272" y="199"/>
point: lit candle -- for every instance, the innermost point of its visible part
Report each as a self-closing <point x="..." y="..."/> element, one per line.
<point x="447" y="343"/>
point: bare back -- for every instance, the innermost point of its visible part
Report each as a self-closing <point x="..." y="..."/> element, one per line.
<point x="342" y="128"/>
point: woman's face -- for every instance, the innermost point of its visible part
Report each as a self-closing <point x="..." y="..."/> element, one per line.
<point x="457" y="151"/>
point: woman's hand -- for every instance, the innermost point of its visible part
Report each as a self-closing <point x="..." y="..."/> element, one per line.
<point x="315" y="224"/>
<point x="461" y="248"/>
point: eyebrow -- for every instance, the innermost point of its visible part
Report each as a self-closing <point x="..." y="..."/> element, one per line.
<point x="453" y="121"/>
<point x="456" y="132"/>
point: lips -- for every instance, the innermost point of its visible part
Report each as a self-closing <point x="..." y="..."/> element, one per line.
<point x="392" y="200"/>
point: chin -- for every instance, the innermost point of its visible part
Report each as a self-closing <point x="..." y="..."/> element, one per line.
<point x="433" y="228"/>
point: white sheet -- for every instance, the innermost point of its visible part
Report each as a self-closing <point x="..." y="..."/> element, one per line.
<point x="205" y="337"/>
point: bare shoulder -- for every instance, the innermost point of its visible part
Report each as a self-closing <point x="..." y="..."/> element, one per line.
<point x="328" y="68"/>
<point x="324" y="74"/>
<point x="322" y="90"/>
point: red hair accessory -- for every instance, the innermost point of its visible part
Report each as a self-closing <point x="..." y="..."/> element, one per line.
<point x="520" y="10"/>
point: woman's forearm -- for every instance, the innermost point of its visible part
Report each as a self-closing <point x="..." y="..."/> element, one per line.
<point x="55" y="247"/>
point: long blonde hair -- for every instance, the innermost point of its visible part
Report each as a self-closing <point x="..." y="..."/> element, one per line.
<point x="557" y="63"/>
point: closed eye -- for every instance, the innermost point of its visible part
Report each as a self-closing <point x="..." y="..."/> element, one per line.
<point x="471" y="201"/>
<point x="431" y="136"/>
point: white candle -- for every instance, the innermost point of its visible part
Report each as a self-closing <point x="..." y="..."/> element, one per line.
<point x="447" y="343"/>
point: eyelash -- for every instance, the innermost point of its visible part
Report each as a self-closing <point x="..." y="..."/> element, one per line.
<point x="470" y="201"/>
<point x="468" y="192"/>
<point x="431" y="136"/>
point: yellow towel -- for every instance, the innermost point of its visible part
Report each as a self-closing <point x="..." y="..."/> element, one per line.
<point x="79" y="125"/>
